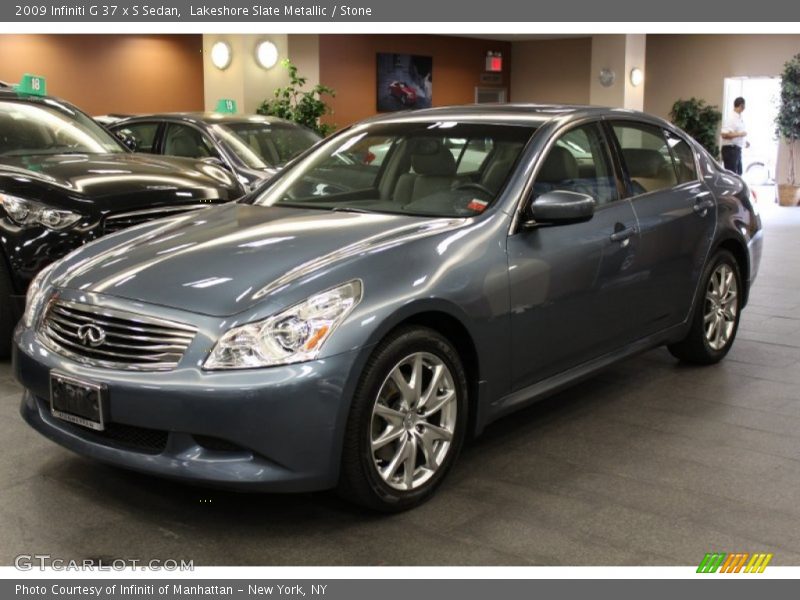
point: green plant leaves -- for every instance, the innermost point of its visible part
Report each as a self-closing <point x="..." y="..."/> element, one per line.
<point x="302" y="107"/>
<point x="700" y="120"/>
<point x="787" y="122"/>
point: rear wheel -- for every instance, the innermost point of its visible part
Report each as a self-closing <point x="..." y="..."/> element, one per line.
<point x="406" y="423"/>
<point x="716" y="317"/>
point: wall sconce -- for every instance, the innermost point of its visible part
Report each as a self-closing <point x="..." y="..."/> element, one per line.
<point x="221" y="55"/>
<point x="637" y="76"/>
<point x="267" y="54"/>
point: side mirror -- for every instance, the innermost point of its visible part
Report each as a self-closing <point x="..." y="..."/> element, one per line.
<point x="128" y="140"/>
<point x="560" y="207"/>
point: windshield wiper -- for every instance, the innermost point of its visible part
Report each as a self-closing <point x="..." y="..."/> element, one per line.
<point x="351" y="209"/>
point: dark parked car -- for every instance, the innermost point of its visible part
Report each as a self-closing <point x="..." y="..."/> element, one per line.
<point x="322" y="334"/>
<point x="403" y="92"/>
<point x="253" y="147"/>
<point x="64" y="181"/>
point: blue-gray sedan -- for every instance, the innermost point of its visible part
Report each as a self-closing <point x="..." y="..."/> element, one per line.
<point x="393" y="291"/>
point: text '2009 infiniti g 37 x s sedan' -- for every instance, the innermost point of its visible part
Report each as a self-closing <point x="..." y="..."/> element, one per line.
<point x="350" y="324"/>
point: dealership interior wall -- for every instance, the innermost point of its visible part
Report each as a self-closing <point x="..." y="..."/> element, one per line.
<point x="149" y="73"/>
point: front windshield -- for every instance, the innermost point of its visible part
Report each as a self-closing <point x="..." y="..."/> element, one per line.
<point x="48" y="127"/>
<point x="444" y="169"/>
<point x="260" y="144"/>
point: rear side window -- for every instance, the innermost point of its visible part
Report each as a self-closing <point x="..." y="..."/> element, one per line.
<point x="143" y="133"/>
<point x="683" y="157"/>
<point x="183" y="140"/>
<point x="647" y="157"/>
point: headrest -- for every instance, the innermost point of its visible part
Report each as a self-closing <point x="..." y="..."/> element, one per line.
<point x="430" y="157"/>
<point x="559" y="165"/>
<point x="644" y="162"/>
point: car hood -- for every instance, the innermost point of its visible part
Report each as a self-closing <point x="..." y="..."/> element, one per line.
<point x="112" y="176"/>
<point x="226" y="259"/>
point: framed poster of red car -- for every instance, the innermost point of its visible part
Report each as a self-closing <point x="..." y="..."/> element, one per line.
<point x="405" y="81"/>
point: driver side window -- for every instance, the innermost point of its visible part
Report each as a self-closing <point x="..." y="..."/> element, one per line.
<point x="578" y="162"/>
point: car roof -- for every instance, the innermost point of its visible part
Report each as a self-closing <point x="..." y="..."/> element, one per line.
<point x="513" y="114"/>
<point x="9" y="94"/>
<point x="207" y="117"/>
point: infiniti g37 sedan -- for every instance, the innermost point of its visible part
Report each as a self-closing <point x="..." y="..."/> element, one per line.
<point x="350" y="324"/>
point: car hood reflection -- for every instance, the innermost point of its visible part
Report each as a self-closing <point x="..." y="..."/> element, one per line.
<point x="223" y="260"/>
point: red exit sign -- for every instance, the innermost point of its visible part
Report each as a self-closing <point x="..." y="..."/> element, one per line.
<point x="494" y="64"/>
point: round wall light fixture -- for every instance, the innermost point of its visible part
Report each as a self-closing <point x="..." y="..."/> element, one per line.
<point x="637" y="76"/>
<point x="221" y="55"/>
<point x="266" y="54"/>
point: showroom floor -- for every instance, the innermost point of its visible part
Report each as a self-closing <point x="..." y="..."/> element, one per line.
<point x="649" y="463"/>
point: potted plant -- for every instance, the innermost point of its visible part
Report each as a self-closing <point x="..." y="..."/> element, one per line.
<point x="787" y="125"/>
<point x="303" y="107"/>
<point x="699" y="120"/>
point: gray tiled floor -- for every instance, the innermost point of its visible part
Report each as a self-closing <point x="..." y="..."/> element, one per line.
<point x="649" y="463"/>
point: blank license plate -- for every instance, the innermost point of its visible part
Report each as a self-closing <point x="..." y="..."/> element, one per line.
<point x="79" y="402"/>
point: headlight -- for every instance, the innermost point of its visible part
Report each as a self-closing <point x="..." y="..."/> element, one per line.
<point x="28" y="212"/>
<point x="294" y="335"/>
<point x="36" y="295"/>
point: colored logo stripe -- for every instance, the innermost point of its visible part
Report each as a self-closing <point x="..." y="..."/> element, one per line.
<point x="734" y="562"/>
<point x="711" y="562"/>
<point x="758" y="563"/>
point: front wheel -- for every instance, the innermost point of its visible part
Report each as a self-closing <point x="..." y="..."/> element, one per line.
<point x="716" y="316"/>
<point x="406" y="423"/>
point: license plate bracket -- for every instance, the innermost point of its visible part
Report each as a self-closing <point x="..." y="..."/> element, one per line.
<point x="77" y="401"/>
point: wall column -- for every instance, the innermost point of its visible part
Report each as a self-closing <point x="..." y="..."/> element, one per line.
<point x="619" y="54"/>
<point x="244" y="80"/>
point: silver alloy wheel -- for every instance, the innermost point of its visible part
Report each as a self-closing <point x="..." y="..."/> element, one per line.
<point x="722" y="304"/>
<point x="413" y="421"/>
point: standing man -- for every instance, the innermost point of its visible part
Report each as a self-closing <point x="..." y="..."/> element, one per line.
<point x="733" y="134"/>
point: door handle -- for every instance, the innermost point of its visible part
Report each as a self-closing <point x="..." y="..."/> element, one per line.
<point x="701" y="206"/>
<point x="623" y="235"/>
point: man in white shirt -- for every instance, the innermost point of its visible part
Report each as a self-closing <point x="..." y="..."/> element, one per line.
<point x="733" y="134"/>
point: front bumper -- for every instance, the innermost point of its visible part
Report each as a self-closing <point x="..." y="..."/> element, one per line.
<point x="275" y="429"/>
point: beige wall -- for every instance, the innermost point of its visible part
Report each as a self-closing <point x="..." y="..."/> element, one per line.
<point x="681" y="66"/>
<point x="304" y="52"/>
<point x="550" y="71"/>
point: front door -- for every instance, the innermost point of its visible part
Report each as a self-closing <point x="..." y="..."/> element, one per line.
<point x="568" y="283"/>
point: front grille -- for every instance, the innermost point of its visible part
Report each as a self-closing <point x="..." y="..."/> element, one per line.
<point x="113" y="338"/>
<point x="119" y="221"/>
<point x="150" y="441"/>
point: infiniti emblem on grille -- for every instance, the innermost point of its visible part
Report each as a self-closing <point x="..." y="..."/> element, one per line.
<point x="91" y="335"/>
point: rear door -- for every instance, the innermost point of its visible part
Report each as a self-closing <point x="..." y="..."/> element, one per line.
<point x="676" y="214"/>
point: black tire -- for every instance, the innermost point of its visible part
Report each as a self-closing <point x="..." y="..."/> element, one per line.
<point x="359" y="480"/>
<point x="696" y="348"/>
<point x="7" y="321"/>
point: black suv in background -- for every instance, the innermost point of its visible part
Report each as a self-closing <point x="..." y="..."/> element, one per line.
<point x="64" y="181"/>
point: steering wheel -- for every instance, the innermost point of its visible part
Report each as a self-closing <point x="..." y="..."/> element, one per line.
<point x="476" y="187"/>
